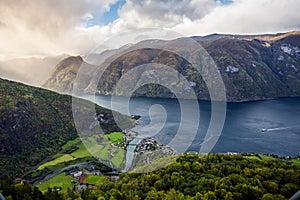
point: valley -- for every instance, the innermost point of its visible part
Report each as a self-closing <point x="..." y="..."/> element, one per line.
<point x="67" y="149"/>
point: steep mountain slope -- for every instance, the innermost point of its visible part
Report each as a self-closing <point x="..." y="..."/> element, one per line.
<point x="62" y="78"/>
<point x="252" y="67"/>
<point x="35" y="123"/>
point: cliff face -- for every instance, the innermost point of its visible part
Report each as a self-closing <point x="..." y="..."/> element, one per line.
<point x="255" y="69"/>
<point x="63" y="74"/>
<point x="252" y="68"/>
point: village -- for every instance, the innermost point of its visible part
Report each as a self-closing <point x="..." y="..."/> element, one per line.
<point x="150" y="144"/>
<point x="88" y="175"/>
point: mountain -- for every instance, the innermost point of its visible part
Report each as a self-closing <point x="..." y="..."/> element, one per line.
<point x="252" y="67"/>
<point x="32" y="71"/>
<point x="62" y="78"/>
<point x="35" y="123"/>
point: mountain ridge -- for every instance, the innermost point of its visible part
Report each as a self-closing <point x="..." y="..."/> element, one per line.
<point x="252" y="67"/>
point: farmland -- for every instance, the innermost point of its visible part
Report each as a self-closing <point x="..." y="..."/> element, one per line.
<point x="60" y="181"/>
<point x="95" y="179"/>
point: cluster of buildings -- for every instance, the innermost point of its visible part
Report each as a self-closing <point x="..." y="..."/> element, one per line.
<point x="129" y="135"/>
<point x="80" y="175"/>
<point x="148" y="145"/>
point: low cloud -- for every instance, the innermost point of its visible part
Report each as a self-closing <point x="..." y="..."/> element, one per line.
<point x="167" y="13"/>
<point x="248" y="16"/>
<point x="58" y="26"/>
<point x="47" y="26"/>
<point x="199" y="17"/>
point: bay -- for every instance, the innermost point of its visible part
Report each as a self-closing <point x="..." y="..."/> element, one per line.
<point x="242" y="131"/>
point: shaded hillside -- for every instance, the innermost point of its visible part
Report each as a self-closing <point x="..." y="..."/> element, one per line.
<point x="252" y="67"/>
<point x="65" y="72"/>
<point x="35" y="123"/>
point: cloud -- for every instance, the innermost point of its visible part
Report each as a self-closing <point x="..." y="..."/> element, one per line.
<point x="247" y="16"/>
<point x="58" y="26"/>
<point x="199" y="17"/>
<point x="166" y="13"/>
<point x="47" y="26"/>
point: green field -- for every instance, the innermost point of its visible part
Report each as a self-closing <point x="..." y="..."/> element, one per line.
<point x="71" y="143"/>
<point x="100" y="147"/>
<point x="103" y="149"/>
<point x="81" y="152"/>
<point x="116" y="137"/>
<point x="270" y="158"/>
<point x="261" y="157"/>
<point x="296" y="162"/>
<point x="118" y="158"/>
<point x="264" y="157"/>
<point x="59" y="159"/>
<point x="253" y="157"/>
<point x="95" y="179"/>
<point x="57" y="155"/>
<point x="60" y="180"/>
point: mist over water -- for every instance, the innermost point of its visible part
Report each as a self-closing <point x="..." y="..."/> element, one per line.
<point x="242" y="131"/>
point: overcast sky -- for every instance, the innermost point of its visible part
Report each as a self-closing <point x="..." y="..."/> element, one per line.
<point x="50" y="27"/>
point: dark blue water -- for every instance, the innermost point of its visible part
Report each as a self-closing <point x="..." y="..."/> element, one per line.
<point x="242" y="128"/>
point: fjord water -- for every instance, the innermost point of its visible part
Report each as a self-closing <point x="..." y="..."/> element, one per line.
<point x="243" y="126"/>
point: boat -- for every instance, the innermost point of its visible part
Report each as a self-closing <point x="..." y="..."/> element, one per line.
<point x="264" y="130"/>
<point x="136" y="117"/>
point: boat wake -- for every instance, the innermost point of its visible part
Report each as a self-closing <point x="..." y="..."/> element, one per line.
<point x="280" y="128"/>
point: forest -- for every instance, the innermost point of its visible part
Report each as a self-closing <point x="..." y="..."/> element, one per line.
<point x="191" y="177"/>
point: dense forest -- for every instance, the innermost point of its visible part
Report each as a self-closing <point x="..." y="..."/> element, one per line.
<point x="192" y="176"/>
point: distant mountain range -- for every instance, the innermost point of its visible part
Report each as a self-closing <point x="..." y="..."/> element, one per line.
<point x="252" y="67"/>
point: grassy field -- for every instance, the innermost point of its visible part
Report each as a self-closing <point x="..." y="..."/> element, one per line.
<point x="101" y="150"/>
<point x="296" y="162"/>
<point x="95" y="179"/>
<point x="100" y="146"/>
<point x="59" y="159"/>
<point x="57" y="155"/>
<point x="264" y="157"/>
<point x="60" y="180"/>
<point x="81" y="152"/>
<point x="260" y="157"/>
<point x="71" y="143"/>
<point x="118" y="158"/>
<point x="253" y="157"/>
<point x="116" y="137"/>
